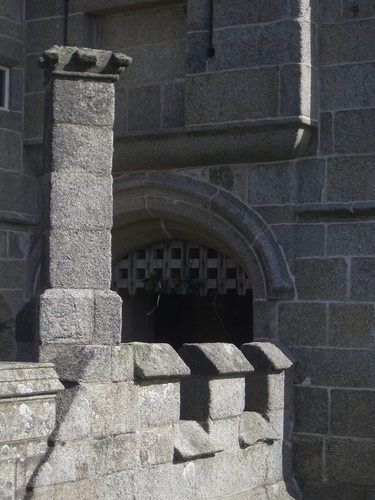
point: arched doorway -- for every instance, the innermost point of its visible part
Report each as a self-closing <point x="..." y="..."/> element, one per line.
<point x="179" y="291"/>
<point x="154" y="207"/>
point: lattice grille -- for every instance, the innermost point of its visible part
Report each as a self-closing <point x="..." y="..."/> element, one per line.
<point x="174" y="260"/>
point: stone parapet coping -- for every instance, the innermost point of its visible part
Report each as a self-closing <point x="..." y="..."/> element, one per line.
<point x="27" y="379"/>
<point x="268" y="356"/>
<point x="215" y="359"/>
<point x="155" y="361"/>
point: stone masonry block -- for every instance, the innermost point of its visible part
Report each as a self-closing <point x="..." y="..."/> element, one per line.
<point x="12" y="9"/>
<point x="311" y="410"/>
<point x="25" y="201"/>
<point x="38" y="11"/>
<point x="214" y="398"/>
<point x="326" y="133"/>
<point x="81" y="201"/>
<point x="350" y="239"/>
<point x="342" y="45"/>
<point x="192" y="442"/>
<point x="166" y="481"/>
<point x="80" y="149"/>
<point x="157" y="361"/>
<point x="362" y="279"/>
<point x="144" y="27"/>
<point x="73" y="415"/>
<point x="78" y="363"/>
<point x="354" y="131"/>
<point x="28" y="418"/>
<point x="76" y="489"/>
<point x="348" y="86"/>
<point x="198" y="16"/>
<point x="12" y="274"/>
<point x="66" y="316"/>
<point x="116" y="486"/>
<point x="329" y="367"/>
<point x="329" y="12"/>
<point x="7" y="478"/>
<point x="107" y="317"/>
<point x="227" y="397"/>
<point x="351" y="178"/>
<point x="122" y="363"/>
<point x="302" y="323"/>
<point x="223" y="432"/>
<point x="231" y="96"/>
<point x="321" y="279"/>
<point x="33" y="113"/>
<point x="81" y="102"/>
<point x="79" y="29"/>
<point x="352" y="413"/>
<point x="267" y="392"/>
<point x="156" y="446"/>
<point x="114" y="454"/>
<point x="285" y="183"/>
<point x="248" y="12"/>
<point x="173" y="105"/>
<point x="357" y="9"/>
<point x="61" y="466"/>
<point x="10" y="142"/>
<point x="144" y="108"/>
<point x="159" y="404"/>
<point x="162" y="62"/>
<point x="44" y="33"/>
<point x="80" y="259"/>
<point x="308" y="457"/>
<point x="350" y="461"/>
<point x="351" y="325"/>
<point x="255" y="45"/>
<point x="114" y="408"/>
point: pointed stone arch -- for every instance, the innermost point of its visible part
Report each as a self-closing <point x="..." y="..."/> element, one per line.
<point x="157" y="206"/>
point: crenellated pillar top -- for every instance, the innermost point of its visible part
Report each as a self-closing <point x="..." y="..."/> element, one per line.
<point x="76" y="62"/>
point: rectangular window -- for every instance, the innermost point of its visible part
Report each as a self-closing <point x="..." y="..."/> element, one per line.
<point x="4" y="88"/>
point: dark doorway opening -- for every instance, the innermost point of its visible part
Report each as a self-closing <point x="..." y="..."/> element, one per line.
<point x="178" y="292"/>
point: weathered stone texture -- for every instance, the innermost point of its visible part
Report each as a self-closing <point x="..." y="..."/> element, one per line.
<point x="311" y="410"/>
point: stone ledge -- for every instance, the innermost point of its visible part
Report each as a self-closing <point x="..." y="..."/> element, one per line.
<point x="155" y="361"/>
<point x="200" y="146"/>
<point x="28" y="379"/>
<point x="268" y="356"/>
<point x="116" y="6"/>
<point x="215" y="359"/>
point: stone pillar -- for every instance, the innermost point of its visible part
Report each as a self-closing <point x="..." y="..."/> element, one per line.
<point x="77" y="306"/>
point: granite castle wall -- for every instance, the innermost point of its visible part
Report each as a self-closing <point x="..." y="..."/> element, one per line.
<point x="279" y="120"/>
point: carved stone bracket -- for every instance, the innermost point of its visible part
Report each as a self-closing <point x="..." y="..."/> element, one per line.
<point x="72" y="62"/>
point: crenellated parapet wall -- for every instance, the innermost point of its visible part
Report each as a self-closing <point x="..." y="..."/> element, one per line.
<point x="133" y="423"/>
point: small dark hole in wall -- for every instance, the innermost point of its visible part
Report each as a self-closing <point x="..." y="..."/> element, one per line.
<point x="210" y="52"/>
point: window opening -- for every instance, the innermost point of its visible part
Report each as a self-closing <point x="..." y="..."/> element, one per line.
<point x="4" y="88"/>
<point x="179" y="291"/>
